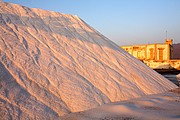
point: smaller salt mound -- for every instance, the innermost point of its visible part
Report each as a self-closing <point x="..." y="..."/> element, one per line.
<point x="153" y="107"/>
<point x="178" y="76"/>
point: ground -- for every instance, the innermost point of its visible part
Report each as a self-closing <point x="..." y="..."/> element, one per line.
<point x="164" y="106"/>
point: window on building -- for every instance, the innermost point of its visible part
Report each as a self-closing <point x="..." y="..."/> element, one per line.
<point x="160" y="53"/>
<point x="151" y="53"/>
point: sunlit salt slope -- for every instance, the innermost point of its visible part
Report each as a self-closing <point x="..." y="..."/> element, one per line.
<point x="55" y="63"/>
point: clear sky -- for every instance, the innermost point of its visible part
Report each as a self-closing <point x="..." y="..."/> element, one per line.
<point x="125" y="22"/>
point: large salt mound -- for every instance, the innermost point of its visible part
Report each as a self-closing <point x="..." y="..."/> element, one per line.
<point x="52" y="64"/>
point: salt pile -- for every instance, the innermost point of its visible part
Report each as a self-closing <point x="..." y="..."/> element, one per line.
<point x="178" y="76"/>
<point x="52" y="64"/>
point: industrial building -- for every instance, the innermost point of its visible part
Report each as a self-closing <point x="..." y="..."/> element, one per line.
<point x="157" y="56"/>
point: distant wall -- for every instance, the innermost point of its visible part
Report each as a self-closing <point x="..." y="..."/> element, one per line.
<point x="157" y="52"/>
<point x="176" y="51"/>
<point x="157" y="56"/>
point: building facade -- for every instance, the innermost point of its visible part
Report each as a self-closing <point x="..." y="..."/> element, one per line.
<point x="156" y="56"/>
<point x="157" y="52"/>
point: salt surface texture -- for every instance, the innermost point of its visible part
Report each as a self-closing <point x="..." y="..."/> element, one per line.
<point x="164" y="106"/>
<point x="56" y="63"/>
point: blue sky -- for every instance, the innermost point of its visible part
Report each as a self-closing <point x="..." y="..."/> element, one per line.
<point x="126" y="22"/>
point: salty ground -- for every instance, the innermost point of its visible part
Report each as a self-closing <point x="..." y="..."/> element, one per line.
<point x="164" y="106"/>
<point x="173" y="77"/>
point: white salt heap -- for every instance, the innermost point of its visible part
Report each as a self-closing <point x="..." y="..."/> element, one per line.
<point x="178" y="76"/>
<point x="52" y="64"/>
